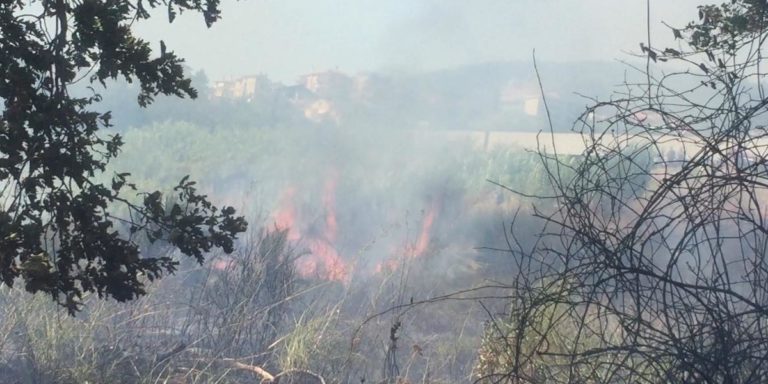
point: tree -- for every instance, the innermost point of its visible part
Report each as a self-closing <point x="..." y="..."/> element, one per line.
<point x="58" y="232"/>
<point x="660" y="272"/>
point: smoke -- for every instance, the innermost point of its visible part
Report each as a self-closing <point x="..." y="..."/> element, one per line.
<point x="286" y="39"/>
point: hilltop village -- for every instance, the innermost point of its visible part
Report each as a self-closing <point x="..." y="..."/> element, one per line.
<point x="326" y="96"/>
<point x="491" y="105"/>
<point x="495" y="97"/>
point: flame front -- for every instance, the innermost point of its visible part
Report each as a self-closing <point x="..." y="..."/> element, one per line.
<point x="426" y="230"/>
<point x="285" y="217"/>
<point x="324" y="260"/>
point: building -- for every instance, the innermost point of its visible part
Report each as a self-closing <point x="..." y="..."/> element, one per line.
<point x="524" y="97"/>
<point x="328" y="83"/>
<point x="246" y="87"/>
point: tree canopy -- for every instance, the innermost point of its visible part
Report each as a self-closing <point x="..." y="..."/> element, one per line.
<point x="58" y="233"/>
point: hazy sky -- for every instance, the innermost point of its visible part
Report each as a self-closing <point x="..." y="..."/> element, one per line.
<point x="286" y="38"/>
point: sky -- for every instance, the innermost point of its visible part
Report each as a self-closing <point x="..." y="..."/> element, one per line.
<point x="287" y="38"/>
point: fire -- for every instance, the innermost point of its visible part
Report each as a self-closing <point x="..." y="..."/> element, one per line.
<point x="426" y="229"/>
<point x="324" y="260"/>
<point x="223" y="264"/>
<point x="320" y="235"/>
<point x="285" y="217"/>
<point x="417" y="249"/>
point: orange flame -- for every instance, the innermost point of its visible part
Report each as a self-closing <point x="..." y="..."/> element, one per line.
<point x="285" y="217"/>
<point x="329" y="203"/>
<point x="417" y="249"/>
<point x="426" y="229"/>
<point x="223" y="264"/>
<point x="324" y="260"/>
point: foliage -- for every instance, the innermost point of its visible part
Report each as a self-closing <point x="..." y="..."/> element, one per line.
<point x="185" y="328"/>
<point x="247" y="308"/>
<point x="725" y="28"/>
<point x="56" y="229"/>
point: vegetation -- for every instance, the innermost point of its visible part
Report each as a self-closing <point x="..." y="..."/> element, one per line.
<point x="641" y="259"/>
<point x="58" y="233"/>
<point x="238" y="315"/>
<point x="659" y="281"/>
<point x="210" y="314"/>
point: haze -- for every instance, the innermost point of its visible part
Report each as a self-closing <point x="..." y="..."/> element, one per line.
<point x="416" y="193"/>
<point x="285" y="39"/>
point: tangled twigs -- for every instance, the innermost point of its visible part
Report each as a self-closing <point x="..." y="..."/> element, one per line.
<point x="652" y="266"/>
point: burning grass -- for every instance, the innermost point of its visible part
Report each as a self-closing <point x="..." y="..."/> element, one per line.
<point x="237" y="315"/>
<point x="355" y="234"/>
